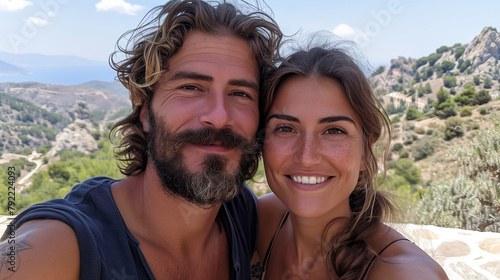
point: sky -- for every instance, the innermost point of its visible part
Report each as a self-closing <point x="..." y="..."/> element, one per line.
<point x="382" y="29"/>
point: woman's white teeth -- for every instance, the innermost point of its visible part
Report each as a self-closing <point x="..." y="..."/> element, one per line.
<point x="308" y="180"/>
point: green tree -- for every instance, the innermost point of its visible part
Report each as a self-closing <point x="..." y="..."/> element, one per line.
<point x="466" y="97"/>
<point x="442" y="49"/>
<point x="444" y="107"/>
<point x="432" y="58"/>
<point x="447" y="65"/>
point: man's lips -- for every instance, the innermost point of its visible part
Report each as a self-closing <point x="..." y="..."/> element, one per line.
<point x="215" y="147"/>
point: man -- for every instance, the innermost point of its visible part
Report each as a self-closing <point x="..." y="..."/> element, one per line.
<point x="183" y="211"/>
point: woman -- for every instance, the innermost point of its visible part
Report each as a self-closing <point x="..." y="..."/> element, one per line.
<point x="324" y="217"/>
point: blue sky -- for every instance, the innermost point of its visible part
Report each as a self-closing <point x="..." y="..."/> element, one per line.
<point x="384" y="29"/>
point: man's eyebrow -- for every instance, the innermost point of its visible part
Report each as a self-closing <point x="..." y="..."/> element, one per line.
<point x="244" y="83"/>
<point x="197" y="76"/>
<point x="191" y="75"/>
<point x="336" y="119"/>
<point x="283" y="117"/>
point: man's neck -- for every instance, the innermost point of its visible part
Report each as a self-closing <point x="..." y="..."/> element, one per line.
<point x="154" y="216"/>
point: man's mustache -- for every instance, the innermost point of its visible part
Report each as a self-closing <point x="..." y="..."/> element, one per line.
<point x="210" y="136"/>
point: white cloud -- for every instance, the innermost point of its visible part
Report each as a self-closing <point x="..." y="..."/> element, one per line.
<point x="37" y="21"/>
<point x="119" y="6"/>
<point x="343" y="30"/>
<point x="14" y="5"/>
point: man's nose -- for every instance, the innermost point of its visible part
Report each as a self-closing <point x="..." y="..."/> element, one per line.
<point x="216" y="112"/>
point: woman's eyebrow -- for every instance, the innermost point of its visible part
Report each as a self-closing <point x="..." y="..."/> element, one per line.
<point x="283" y="117"/>
<point x="336" y="119"/>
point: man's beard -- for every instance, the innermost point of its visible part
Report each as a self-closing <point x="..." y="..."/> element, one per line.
<point x="211" y="185"/>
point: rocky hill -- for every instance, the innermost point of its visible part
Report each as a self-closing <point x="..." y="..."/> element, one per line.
<point x="43" y="116"/>
<point x="60" y="99"/>
<point x="451" y="67"/>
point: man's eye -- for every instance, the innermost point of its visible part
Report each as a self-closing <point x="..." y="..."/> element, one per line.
<point x="241" y="94"/>
<point x="189" y="87"/>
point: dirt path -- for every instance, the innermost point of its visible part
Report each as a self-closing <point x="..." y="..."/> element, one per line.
<point x="23" y="182"/>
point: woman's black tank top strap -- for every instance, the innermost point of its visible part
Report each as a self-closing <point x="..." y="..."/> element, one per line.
<point x="381" y="251"/>
<point x="269" y="248"/>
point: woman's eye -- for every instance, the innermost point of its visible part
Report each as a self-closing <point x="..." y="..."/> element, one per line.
<point x="283" y="129"/>
<point x="335" y="130"/>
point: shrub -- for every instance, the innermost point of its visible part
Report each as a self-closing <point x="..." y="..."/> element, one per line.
<point x="465" y="112"/>
<point x="404" y="167"/>
<point x="397" y="147"/>
<point x="432" y="58"/>
<point x="487" y="83"/>
<point x="459" y="52"/>
<point x="404" y="153"/>
<point x="465" y="201"/>
<point x="428" y="88"/>
<point x="419" y="130"/>
<point x="412" y="114"/>
<point x="442" y="49"/>
<point x="477" y="80"/>
<point x="447" y="65"/>
<point x="379" y="70"/>
<point x="428" y="72"/>
<point x="483" y="111"/>
<point x="453" y="128"/>
<point x="424" y="147"/>
<point x="482" y="97"/>
<point x="449" y="81"/>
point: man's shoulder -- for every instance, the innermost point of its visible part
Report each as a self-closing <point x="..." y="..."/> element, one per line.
<point x="83" y="205"/>
<point x="80" y="192"/>
<point x="40" y="249"/>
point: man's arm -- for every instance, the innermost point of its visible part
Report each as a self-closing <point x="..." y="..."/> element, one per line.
<point x="40" y="249"/>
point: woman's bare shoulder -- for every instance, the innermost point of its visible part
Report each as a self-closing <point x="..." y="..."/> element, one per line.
<point x="402" y="259"/>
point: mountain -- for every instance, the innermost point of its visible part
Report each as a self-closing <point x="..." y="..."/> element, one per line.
<point x="36" y="60"/>
<point x="7" y="69"/>
<point x="56" y="69"/>
<point x="60" y="99"/>
<point x="449" y="67"/>
<point x="114" y="86"/>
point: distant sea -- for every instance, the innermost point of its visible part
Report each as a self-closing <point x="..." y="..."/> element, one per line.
<point x="71" y="75"/>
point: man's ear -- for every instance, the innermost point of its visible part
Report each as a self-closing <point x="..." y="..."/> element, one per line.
<point x="143" y="117"/>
